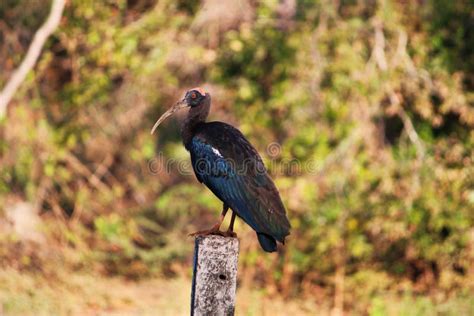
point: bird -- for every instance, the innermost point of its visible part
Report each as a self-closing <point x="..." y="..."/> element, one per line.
<point x="225" y="161"/>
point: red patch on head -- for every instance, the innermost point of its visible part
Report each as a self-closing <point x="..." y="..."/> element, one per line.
<point x="200" y="90"/>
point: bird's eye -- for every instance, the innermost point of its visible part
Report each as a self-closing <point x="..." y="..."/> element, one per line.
<point x="193" y="96"/>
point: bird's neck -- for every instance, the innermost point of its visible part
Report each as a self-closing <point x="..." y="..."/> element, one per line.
<point x="188" y="129"/>
<point x="195" y="117"/>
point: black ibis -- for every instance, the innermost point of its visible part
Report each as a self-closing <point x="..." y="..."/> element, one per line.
<point x="225" y="161"/>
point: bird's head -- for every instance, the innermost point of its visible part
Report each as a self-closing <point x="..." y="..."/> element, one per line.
<point x="196" y="99"/>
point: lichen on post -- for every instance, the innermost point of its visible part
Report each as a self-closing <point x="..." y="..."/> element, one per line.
<point x="214" y="275"/>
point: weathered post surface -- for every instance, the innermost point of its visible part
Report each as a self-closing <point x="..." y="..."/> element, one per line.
<point x="214" y="275"/>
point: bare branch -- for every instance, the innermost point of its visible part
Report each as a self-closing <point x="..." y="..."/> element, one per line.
<point x="77" y="165"/>
<point x="32" y="55"/>
<point x="378" y="52"/>
<point x="408" y="125"/>
<point x="340" y="151"/>
<point x="401" y="54"/>
<point x="412" y="134"/>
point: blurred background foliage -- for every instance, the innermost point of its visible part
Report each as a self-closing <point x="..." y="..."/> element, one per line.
<point x="372" y="101"/>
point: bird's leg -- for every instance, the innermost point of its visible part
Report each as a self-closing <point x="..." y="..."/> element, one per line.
<point x="214" y="230"/>
<point x="230" y="230"/>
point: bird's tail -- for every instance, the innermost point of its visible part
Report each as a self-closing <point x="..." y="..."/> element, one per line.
<point x="267" y="242"/>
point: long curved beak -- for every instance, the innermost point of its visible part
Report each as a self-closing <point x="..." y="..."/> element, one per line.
<point x="179" y="105"/>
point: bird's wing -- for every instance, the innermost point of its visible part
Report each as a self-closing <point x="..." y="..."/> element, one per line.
<point x="229" y="165"/>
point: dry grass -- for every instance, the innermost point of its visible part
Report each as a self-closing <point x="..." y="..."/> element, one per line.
<point x="83" y="294"/>
<point x="72" y="293"/>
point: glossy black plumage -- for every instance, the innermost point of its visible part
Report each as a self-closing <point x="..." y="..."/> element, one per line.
<point x="224" y="160"/>
<point x="228" y="164"/>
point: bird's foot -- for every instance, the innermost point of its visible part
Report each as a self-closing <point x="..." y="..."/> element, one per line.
<point x="229" y="233"/>
<point x="207" y="233"/>
<point x="214" y="231"/>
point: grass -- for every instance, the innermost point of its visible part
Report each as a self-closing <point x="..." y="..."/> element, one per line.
<point x="83" y="294"/>
<point x="73" y="293"/>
